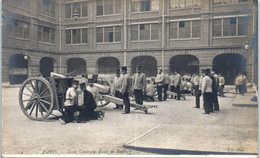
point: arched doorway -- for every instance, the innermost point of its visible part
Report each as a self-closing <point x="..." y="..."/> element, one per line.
<point x="76" y="66"/>
<point x="18" y="68"/>
<point x="148" y="63"/>
<point x="107" y="65"/>
<point x="229" y="65"/>
<point x="46" y="66"/>
<point x="184" y="64"/>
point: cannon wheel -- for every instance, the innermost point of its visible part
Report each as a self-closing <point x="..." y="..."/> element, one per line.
<point x="101" y="102"/>
<point x="36" y="98"/>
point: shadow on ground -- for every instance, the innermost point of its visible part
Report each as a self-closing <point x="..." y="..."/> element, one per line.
<point x="162" y="151"/>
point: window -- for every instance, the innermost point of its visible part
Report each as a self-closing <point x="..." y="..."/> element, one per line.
<point x="108" y="7"/>
<point x="108" y="34"/>
<point x="81" y="7"/>
<point x="47" y="7"/>
<point x="46" y="34"/>
<point x="144" y="5"/>
<point x="145" y="32"/>
<point x="224" y="2"/>
<point x="242" y="26"/>
<point x="20" y="29"/>
<point x="185" y="29"/>
<point x="174" y="4"/>
<point x="217" y="27"/>
<point x="76" y="36"/>
<point x="235" y="26"/>
<point x="195" y="29"/>
<point x="173" y="30"/>
<point x="229" y="26"/>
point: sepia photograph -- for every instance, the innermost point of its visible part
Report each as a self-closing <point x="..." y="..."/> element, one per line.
<point x="129" y="78"/>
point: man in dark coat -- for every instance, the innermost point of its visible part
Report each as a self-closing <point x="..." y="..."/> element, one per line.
<point x="125" y="89"/>
<point x="89" y="105"/>
<point x="215" y="87"/>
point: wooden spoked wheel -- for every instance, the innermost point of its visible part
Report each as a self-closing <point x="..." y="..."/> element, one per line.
<point x="36" y="98"/>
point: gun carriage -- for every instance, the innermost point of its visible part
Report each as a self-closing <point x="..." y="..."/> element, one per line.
<point x="39" y="96"/>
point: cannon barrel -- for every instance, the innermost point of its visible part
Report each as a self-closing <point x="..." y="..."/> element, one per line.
<point x="53" y="74"/>
<point x="101" y="88"/>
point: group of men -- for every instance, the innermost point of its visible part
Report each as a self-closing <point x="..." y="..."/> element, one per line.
<point x="78" y="98"/>
<point x="240" y="83"/>
<point x="209" y="84"/>
<point x="122" y="85"/>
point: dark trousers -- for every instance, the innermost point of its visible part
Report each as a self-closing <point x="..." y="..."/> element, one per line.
<point x="242" y="89"/>
<point x="159" y="92"/>
<point x="197" y="95"/>
<point x="165" y="89"/>
<point x="126" y="101"/>
<point x="207" y="98"/>
<point x="86" y="112"/>
<point x="138" y="96"/>
<point x="67" y="115"/>
<point x="178" y="92"/>
<point x="221" y="90"/>
<point x="118" y="95"/>
<point x="215" y="100"/>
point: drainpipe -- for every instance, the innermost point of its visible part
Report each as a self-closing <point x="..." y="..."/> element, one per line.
<point x="125" y="31"/>
<point x="60" y="36"/>
<point x="163" y="32"/>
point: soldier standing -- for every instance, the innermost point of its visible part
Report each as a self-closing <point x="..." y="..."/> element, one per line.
<point x="196" y="82"/>
<point x="139" y="85"/>
<point x="159" y="83"/>
<point x="221" y="85"/>
<point x="215" y="87"/>
<point x="125" y="88"/>
<point x="166" y="82"/>
<point x="116" y="88"/>
<point x="177" y="85"/>
<point x="206" y="91"/>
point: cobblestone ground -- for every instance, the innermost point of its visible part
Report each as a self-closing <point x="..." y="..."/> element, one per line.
<point x="175" y="127"/>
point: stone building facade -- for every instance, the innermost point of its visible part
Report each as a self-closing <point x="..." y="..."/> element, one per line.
<point x="98" y="36"/>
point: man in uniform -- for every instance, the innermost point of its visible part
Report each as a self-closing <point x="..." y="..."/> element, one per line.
<point x="125" y="88"/>
<point x="177" y="84"/>
<point x="139" y="85"/>
<point x="159" y="82"/>
<point x="166" y="81"/>
<point x="215" y="87"/>
<point x="116" y="88"/>
<point x="206" y="91"/>
<point x="196" y="82"/>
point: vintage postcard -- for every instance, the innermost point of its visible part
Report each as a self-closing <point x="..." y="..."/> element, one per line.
<point x="129" y="78"/>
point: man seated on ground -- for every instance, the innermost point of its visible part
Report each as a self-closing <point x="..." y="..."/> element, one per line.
<point x="88" y="106"/>
<point x="71" y="103"/>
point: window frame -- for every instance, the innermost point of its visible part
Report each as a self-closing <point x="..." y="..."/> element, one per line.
<point x="113" y="31"/>
<point x="139" y="10"/>
<point x="103" y="8"/>
<point x="51" y="34"/>
<point x="177" y="22"/>
<point x="80" y="11"/>
<point x="222" y="27"/>
<point x="178" y="4"/>
<point x="71" y="35"/>
<point x="150" y="32"/>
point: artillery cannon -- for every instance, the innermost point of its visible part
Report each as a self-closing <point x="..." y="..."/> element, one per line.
<point x="39" y="96"/>
<point x="104" y="90"/>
